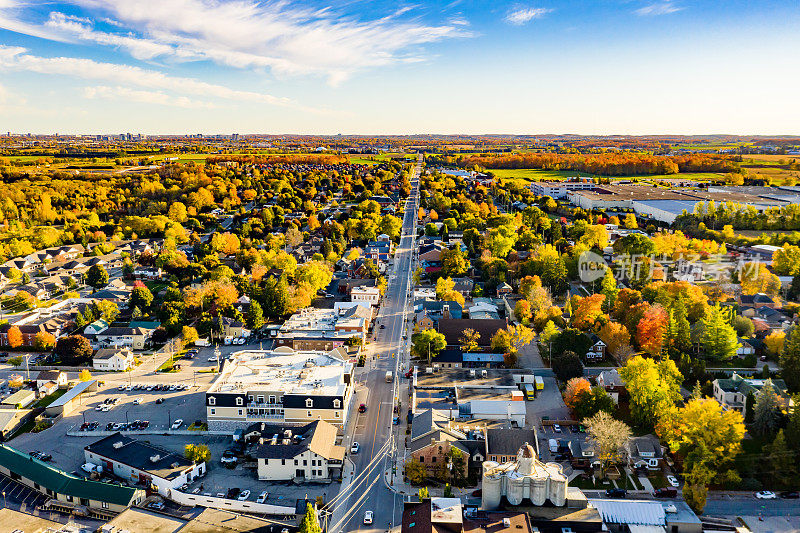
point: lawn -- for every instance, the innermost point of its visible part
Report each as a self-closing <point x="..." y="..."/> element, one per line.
<point x="50" y="398"/>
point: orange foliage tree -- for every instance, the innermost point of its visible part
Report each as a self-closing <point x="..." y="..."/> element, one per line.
<point x="14" y="337"/>
<point x="574" y="389"/>
<point x="651" y="329"/>
<point x="586" y="311"/>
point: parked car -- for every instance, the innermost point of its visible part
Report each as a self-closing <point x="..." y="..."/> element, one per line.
<point x="177" y="424"/>
<point x="362" y="408"/>
<point x="616" y="493"/>
<point x="368" y="518"/>
<point x="228" y="458"/>
<point x="666" y="492"/>
<point x="790" y="495"/>
<point x="244" y="495"/>
<point x="262" y="497"/>
<point x="90" y="468"/>
<point x="383" y="326"/>
<point x="673" y="481"/>
<point x="556" y="428"/>
<point x="765" y="495"/>
<point x="138" y="401"/>
<point x="234" y="492"/>
<point x="156" y="505"/>
<point x="354" y="448"/>
<point x="160" y="400"/>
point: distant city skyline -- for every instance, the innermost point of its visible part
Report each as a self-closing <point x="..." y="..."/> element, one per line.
<point x="629" y="67"/>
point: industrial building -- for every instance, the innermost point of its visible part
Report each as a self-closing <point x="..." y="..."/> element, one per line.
<point x="526" y="478"/>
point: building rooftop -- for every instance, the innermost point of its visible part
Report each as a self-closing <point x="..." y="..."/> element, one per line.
<point x="285" y="442"/>
<point x="141" y="455"/>
<point x="287" y="370"/>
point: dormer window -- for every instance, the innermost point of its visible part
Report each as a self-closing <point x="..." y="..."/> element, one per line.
<point x="309" y="402"/>
<point x="337" y="404"/>
<point x="212" y="400"/>
<point x="239" y="400"/>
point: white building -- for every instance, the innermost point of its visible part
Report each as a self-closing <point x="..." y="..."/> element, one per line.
<point x="113" y="359"/>
<point x="141" y="463"/>
<point x="298" y="453"/>
<point x="371" y="295"/>
<point x="559" y="189"/>
<point x="280" y="386"/>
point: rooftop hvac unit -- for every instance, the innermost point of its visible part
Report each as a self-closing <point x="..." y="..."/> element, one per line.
<point x="472" y="373"/>
<point x="155" y="458"/>
<point x="484" y="373"/>
<point x="119" y="444"/>
<point x="506" y="522"/>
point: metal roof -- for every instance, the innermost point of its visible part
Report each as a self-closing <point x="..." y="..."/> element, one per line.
<point x="630" y="512"/>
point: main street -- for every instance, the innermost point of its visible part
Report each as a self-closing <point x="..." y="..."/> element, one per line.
<point x="365" y="490"/>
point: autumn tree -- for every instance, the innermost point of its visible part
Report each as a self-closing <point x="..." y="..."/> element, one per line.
<point x="774" y="342"/>
<point x="73" y="350"/>
<point x="317" y="274"/>
<point x="651" y="329"/>
<point x="708" y="439"/>
<point x="44" y="341"/>
<point x="608" y="436"/>
<point x="501" y="341"/>
<point x="766" y="412"/>
<point x="469" y="340"/>
<point x="189" y="335"/>
<point x="653" y="387"/>
<point x="445" y="290"/>
<point x="84" y="375"/>
<point x="427" y="344"/>
<point x="415" y="471"/>
<point x="614" y="335"/>
<point x="786" y="260"/>
<point x="586" y="311"/>
<point x="790" y="360"/>
<point x="756" y="278"/>
<point x="141" y="297"/>
<point x="719" y="338"/>
<point x="522" y="311"/>
<point x="608" y="288"/>
<point x="573" y="388"/>
<point x="589" y="403"/>
<point x="454" y="262"/>
<point x="14" y="337"/>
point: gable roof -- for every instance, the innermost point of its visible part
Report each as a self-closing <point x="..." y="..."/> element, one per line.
<point x="59" y="481"/>
<point x="453" y="329"/>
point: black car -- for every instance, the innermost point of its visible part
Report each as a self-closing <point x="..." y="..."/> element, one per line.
<point x="790" y="495"/>
<point x="233" y="493"/>
<point x="616" y="493"/>
<point x="109" y="426"/>
<point x="160" y="400"/>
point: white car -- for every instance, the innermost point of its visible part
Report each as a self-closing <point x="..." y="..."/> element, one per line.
<point x="138" y="401"/>
<point x="354" y="448"/>
<point x="262" y="497"/>
<point x="556" y="428"/>
<point x="243" y="495"/>
<point x="672" y="480"/>
<point x="765" y="495"/>
<point x="213" y="359"/>
<point x="177" y="424"/>
<point x="121" y="387"/>
<point x="91" y="468"/>
<point x="368" y="518"/>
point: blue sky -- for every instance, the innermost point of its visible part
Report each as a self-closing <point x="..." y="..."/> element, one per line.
<point x="388" y="67"/>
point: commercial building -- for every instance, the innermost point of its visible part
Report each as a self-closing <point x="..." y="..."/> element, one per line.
<point x="326" y="329"/>
<point x="113" y="359"/>
<point x="281" y="386"/>
<point x="142" y="463"/>
<point x="439" y="515"/>
<point x="559" y="189"/>
<point x="298" y="453"/>
<point x="371" y="295"/>
<point x="67" y="492"/>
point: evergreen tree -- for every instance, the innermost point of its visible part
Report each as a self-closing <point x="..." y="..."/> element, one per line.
<point x="749" y="409"/>
<point x="310" y="523"/>
<point x="790" y="360"/>
<point x="766" y="413"/>
<point x="782" y="460"/>
<point x="681" y="330"/>
<point x="276" y="294"/>
<point x="793" y="427"/>
<point x="609" y="288"/>
<point x="255" y="316"/>
<point x="719" y="339"/>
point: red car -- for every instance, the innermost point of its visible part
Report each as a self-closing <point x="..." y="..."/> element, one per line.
<point x="362" y="408"/>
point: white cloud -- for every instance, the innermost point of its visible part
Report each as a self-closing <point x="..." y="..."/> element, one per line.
<point x="658" y="8"/>
<point x="16" y="58"/>
<point x="523" y="15"/>
<point x="283" y="36"/>
<point x="146" y="97"/>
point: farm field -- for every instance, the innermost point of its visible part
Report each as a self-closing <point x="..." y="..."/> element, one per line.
<point x="775" y="176"/>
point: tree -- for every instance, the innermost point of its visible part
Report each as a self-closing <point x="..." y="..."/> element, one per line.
<point x="500" y="240"/>
<point x="445" y="290"/>
<point x="719" y="339"/>
<point x="501" y="341"/>
<point x="427" y="344"/>
<point x="790" y="360"/>
<point x="608" y="288"/>
<point x="454" y="262"/>
<point x="177" y="212"/>
<point x="653" y="387"/>
<point x="587" y="310"/>
<point x="189" y="335"/>
<point x="774" y="342"/>
<point x="255" y="316"/>
<point x="522" y="311"/>
<point x="198" y="453"/>
<point x="608" y="436"/>
<point x="793" y="425"/>
<point x="651" y="330"/>
<point x="630" y="221"/>
<point x="573" y="389"/>
<point x="766" y="412"/>
<point x="679" y="328"/>
<point x="744" y="326"/>
<point x="423" y="494"/>
<point x="571" y="340"/>
<point x="73" y="350"/>
<point x="16" y="361"/>
<point x="782" y="460"/>
<point x="141" y="297"/>
<point x="106" y="309"/>
<point x="44" y="341"/>
<point x="469" y="340"/>
<point x="416" y="472"/>
<point x="567" y="365"/>
<point x="589" y="403"/>
<point x="614" y="335"/>
<point x="316" y="273"/>
<point x="97" y="276"/>
<point x="786" y="260"/>
<point x="14" y="336"/>
<point x="708" y="439"/>
<point x="757" y="278"/>
<point x="84" y="375"/>
<point x="519" y="336"/>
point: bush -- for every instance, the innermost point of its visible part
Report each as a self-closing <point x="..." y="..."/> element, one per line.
<point x="749" y="361"/>
<point x="41" y="425"/>
<point x="750" y="483"/>
<point x="567" y="366"/>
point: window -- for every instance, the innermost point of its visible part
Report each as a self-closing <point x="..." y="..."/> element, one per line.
<point x="305" y="463"/>
<point x="213" y="411"/>
<point x="84" y="501"/>
<point x="337" y="404"/>
<point x="309" y="402"/>
<point x="271" y="399"/>
<point x="104" y="505"/>
<point x="421" y="458"/>
<point x="239" y="400"/>
<point x="212" y="400"/>
<point x="283" y="462"/>
<point x="240" y="412"/>
<point x="308" y="414"/>
<point x="260" y="398"/>
<point x="249" y="397"/>
<point x="336" y="414"/>
<point x="433" y="459"/>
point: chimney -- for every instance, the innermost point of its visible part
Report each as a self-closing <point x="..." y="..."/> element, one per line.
<point x="446" y="311"/>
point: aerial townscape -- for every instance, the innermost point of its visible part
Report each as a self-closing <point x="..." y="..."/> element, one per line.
<point x="221" y="312"/>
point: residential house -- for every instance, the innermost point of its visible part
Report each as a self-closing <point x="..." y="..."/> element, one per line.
<point x="297" y="453"/>
<point x="230" y="327"/>
<point x="432" y="439"/>
<point x="645" y="453"/>
<point x="345" y="286"/>
<point x="757" y="300"/>
<point x="56" y="376"/>
<point x="134" y="338"/>
<point x="142" y="463"/>
<point x="463" y="286"/>
<point x="731" y="393"/>
<point x="29" y="331"/>
<point x="503" y="444"/>
<point x="113" y="359"/>
<point x="378" y="251"/>
<point x="504" y="289"/>
<point x="483" y="309"/>
<point x="428" y="313"/>
<point x="453" y="330"/>
<point x="67" y="492"/>
<point x="597" y="351"/>
<point x="581" y="453"/>
<point x="611" y="381"/>
<point x="431" y="253"/>
<point x="95" y="328"/>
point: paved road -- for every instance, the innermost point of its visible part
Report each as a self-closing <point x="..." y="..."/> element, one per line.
<point x="373" y="429"/>
<point x="744" y="504"/>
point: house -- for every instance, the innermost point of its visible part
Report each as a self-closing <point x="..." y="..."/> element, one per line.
<point x="29" y="331"/>
<point x="463" y="286"/>
<point x="502" y="444"/>
<point x="47" y="388"/>
<point x="504" y="289"/>
<point x="431" y="253"/>
<point x="142" y="463"/>
<point x="113" y="359"/>
<point x="67" y="492"/>
<point x="645" y="453"/>
<point x="378" y="251"/>
<point x="757" y="300"/>
<point x="297" y="453"/>
<point x="20" y="399"/>
<point x="134" y="338"/>
<point x="429" y="312"/>
<point x="581" y="453"/>
<point x="611" y="381"/>
<point x="371" y="295"/>
<point x="57" y="376"/>
<point x="731" y="393"/>
<point x="96" y="327"/>
<point x="443" y="515"/>
<point x="597" y="351"/>
<point x="483" y="309"/>
<point x="453" y="330"/>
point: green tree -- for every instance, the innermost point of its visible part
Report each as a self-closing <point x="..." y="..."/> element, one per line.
<point x="16" y="361"/>
<point x="790" y="360"/>
<point x="97" y="277"/>
<point x="416" y="472"/>
<point x="793" y="425"/>
<point x="609" y="289"/>
<point x="427" y="344"/>
<point x="719" y="339"/>
<point x="500" y="241"/>
<point x="766" y="412"/>
<point x="316" y="273"/>
<point x="567" y="365"/>
<point x="782" y="460"/>
<point x="653" y="387"/>
<point x="141" y="297"/>
<point x="589" y="403"/>
<point x="679" y="327"/>
<point x="255" y="316"/>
